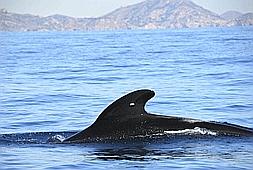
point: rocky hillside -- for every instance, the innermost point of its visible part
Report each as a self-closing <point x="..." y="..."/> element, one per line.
<point x="244" y="20"/>
<point x="152" y="14"/>
<point x="149" y="14"/>
<point x="230" y="15"/>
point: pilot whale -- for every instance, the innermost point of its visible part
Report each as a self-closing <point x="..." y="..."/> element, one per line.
<point x="127" y="117"/>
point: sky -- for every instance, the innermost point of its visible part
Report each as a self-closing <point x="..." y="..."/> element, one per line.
<point x="96" y="8"/>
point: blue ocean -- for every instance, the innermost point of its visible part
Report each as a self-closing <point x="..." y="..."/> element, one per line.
<point x="59" y="82"/>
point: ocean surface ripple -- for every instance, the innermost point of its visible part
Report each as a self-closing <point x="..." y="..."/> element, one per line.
<point x="61" y="81"/>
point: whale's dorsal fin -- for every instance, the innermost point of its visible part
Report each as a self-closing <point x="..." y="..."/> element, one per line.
<point x="129" y="106"/>
<point x="132" y="104"/>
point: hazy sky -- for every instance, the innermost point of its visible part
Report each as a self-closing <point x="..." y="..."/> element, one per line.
<point x="94" y="8"/>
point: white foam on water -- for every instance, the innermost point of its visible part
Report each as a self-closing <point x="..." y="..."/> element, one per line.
<point x="56" y="139"/>
<point x="195" y="131"/>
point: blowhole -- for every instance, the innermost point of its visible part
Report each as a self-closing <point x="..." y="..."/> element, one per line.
<point x="132" y="104"/>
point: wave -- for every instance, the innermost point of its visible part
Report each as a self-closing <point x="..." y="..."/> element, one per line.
<point x="58" y="137"/>
<point x="195" y="131"/>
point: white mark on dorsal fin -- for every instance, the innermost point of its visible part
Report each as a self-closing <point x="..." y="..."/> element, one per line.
<point x="132" y="104"/>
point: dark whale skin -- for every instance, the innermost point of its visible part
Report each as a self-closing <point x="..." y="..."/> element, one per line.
<point x="126" y="117"/>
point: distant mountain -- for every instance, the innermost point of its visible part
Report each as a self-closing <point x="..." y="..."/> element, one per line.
<point x="244" y="20"/>
<point x="27" y="22"/>
<point x="152" y="14"/>
<point x="235" y="18"/>
<point x="149" y="14"/>
<point x="230" y="15"/>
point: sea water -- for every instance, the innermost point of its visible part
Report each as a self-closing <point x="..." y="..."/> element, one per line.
<point x="61" y="81"/>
